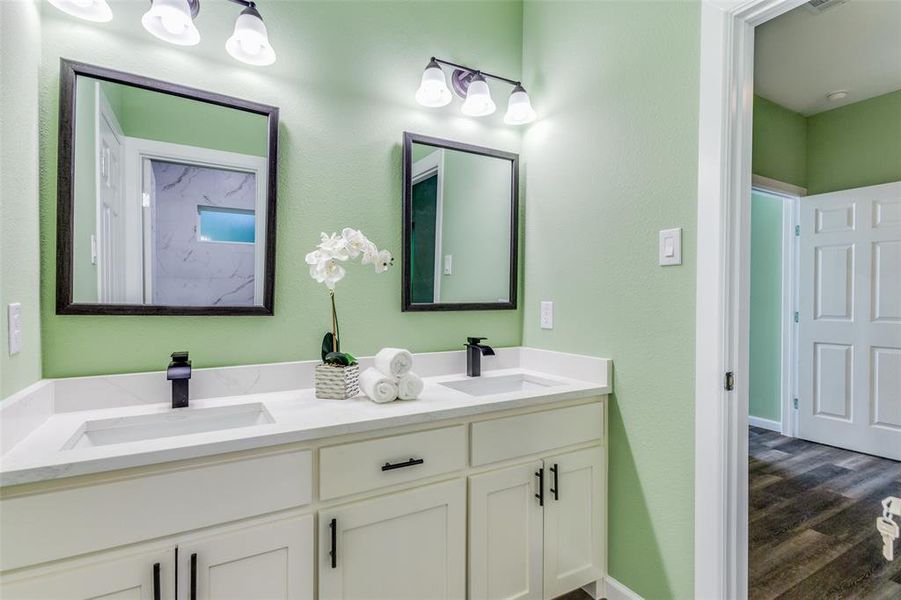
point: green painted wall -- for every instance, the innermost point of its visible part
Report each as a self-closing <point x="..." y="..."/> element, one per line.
<point x="84" y="272"/>
<point x="779" y="147"/>
<point x="855" y="145"/>
<point x="766" y="307"/>
<point x="344" y="82"/>
<point x="612" y="160"/>
<point x="20" y="27"/>
<point x="476" y="228"/>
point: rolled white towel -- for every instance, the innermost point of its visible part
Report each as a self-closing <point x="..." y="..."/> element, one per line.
<point x="409" y="386"/>
<point x="394" y="361"/>
<point x="379" y="387"/>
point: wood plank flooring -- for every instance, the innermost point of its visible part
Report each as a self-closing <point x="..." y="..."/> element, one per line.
<point x="811" y="529"/>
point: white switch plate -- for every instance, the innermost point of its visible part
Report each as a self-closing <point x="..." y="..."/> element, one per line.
<point x="670" y="249"/>
<point x="448" y="264"/>
<point x="547" y="315"/>
<point x="14" y="327"/>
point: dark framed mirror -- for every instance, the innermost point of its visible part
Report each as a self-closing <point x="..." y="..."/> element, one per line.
<point x="460" y="226"/>
<point x="166" y="198"/>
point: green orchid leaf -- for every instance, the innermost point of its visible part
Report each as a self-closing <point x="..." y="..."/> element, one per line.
<point x="337" y="358"/>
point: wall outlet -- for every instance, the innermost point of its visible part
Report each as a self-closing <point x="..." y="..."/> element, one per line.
<point x="14" y="327"/>
<point x="670" y="247"/>
<point x="547" y="314"/>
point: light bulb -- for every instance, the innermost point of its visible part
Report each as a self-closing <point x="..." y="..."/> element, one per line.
<point x="478" y="101"/>
<point x="433" y="90"/>
<point x="89" y="10"/>
<point x="519" y="108"/>
<point x="171" y="21"/>
<point x="249" y="42"/>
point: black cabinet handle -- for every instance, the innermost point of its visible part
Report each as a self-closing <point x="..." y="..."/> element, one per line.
<point x="156" y="581"/>
<point x="540" y="495"/>
<point x="410" y="463"/>
<point x="333" y="525"/>
<point x="194" y="576"/>
<point x="556" y="489"/>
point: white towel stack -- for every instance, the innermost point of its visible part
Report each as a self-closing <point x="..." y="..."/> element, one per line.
<point x="391" y="377"/>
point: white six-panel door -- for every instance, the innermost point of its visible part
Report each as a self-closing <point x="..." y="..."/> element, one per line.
<point x="506" y="534"/>
<point x="850" y="320"/>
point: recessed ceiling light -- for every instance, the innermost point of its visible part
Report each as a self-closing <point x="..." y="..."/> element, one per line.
<point x="837" y="95"/>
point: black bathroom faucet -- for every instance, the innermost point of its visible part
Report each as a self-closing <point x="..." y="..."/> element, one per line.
<point x="474" y="351"/>
<point x="179" y="373"/>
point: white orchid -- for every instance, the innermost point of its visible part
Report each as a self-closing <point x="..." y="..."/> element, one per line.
<point x="325" y="264"/>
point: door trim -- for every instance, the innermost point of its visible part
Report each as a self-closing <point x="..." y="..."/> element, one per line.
<point x="722" y="292"/>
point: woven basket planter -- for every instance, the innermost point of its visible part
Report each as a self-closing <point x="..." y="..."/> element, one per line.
<point x="337" y="382"/>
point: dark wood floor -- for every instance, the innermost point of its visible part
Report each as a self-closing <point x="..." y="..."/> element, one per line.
<point x="811" y="529"/>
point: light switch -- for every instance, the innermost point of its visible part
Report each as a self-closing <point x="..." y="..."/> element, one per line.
<point x="547" y="315"/>
<point x="448" y="264"/>
<point x="14" y="327"/>
<point x="670" y="247"/>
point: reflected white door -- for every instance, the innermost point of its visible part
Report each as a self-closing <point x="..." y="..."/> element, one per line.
<point x="850" y="320"/>
<point x="111" y="222"/>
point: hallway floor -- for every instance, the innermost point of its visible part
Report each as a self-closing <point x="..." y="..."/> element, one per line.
<point x="813" y="510"/>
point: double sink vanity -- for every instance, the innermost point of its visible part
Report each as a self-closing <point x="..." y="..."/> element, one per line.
<point x="485" y="487"/>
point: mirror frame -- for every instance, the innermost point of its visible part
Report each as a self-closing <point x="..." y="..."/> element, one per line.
<point x="406" y="292"/>
<point x="65" y="230"/>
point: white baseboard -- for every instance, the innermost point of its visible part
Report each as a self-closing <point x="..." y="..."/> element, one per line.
<point x="618" y="591"/>
<point x="765" y="424"/>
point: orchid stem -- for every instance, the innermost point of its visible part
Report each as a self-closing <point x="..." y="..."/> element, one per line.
<point x="335" y="343"/>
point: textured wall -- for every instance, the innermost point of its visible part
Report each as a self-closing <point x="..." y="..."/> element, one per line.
<point x="779" y="149"/>
<point x="765" y="379"/>
<point x="855" y="145"/>
<point x="612" y="160"/>
<point x="19" y="237"/>
<point x="344" y="81"/>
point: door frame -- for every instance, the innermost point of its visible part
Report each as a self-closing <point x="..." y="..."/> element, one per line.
<point x="722" y="292"/>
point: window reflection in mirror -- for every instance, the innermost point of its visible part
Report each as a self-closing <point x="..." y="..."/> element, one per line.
<point x="460" y="233"/>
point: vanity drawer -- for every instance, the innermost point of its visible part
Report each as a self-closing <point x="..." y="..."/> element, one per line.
<point x="75" y="520"/>
<point x="522" y="435"/>
<point x="372" y="464"/>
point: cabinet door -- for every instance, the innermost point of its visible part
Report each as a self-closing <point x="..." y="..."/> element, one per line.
<point x="405" y="546"/>
<point x="505" y="534"/>
<point x="270" y="560"/>
<point x="141" y="575"/>
<point x="574" y="520"/>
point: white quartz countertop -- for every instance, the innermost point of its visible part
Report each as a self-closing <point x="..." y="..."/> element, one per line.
<point x="39" y="454"/>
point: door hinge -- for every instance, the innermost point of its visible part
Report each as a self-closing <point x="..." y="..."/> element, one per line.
<point x="729" y="381"/>
<point x="795" y="403"/>
<point x="796" y="317"/>
<point x="797" y="230"/>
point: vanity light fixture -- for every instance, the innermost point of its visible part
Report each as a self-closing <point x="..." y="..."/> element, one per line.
<point x="89" y="10"/>
<point x="250" y="41"/>
<point x="173" y="21"/>
<point x="471" y="84"/>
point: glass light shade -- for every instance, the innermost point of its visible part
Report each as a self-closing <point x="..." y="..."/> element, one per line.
<point x="478" y="101"/>
<point x="89" y="10"/>
<point x="519" y="108"/>
<point x="250" y="41"/>
<point x="171" y="21"/>
<point x="433" y="90"/>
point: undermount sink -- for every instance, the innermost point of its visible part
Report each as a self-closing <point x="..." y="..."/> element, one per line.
<point x="180" y="421"/>
<point x="503" y="384"/>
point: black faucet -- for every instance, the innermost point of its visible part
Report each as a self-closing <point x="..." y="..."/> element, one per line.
<point x="179" y="373"/>
<point x="474" y="351"/>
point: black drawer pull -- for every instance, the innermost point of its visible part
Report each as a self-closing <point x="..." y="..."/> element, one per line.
<point x="540" y="495"/>
<point x="410" y="463"/>
<point x="156" y="581"/>
<point x="333" y="525"/>
<point x="194" y="576"/>
<point x="556" y="489"/>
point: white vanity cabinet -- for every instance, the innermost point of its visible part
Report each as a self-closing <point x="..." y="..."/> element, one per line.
<point x="536" y="530"/>
<point x="407" y="545"/>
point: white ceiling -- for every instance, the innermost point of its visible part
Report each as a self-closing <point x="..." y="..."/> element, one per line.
<point x="801" y="56"/>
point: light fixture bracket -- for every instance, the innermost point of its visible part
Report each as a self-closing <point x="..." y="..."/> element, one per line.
<point x="460" y="80"/>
